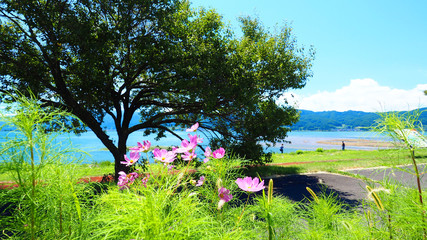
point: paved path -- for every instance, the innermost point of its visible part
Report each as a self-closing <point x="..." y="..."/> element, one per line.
<point x="402" y="175"/>
<point x="350" y="190"/>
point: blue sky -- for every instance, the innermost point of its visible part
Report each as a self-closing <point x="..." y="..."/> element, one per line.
<point x="370" y="55"/>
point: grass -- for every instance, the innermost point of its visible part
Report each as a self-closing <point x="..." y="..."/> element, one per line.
<point x="383" y="155"/>
<point x="335" y="161"/>
<point x="313" y="161"/>
<point x="82" y="170"/>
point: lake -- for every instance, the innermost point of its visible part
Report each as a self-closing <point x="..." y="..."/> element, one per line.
<point x="300" y="140"/>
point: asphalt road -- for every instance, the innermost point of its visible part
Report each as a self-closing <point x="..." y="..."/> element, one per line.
<point x="348" y="189"/>
<point x="403" y="175"/>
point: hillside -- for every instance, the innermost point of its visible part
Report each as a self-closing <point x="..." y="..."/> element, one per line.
<point x="309" y="121"/>
<point x="333" y="120"/>
<point x="315" y="121"/>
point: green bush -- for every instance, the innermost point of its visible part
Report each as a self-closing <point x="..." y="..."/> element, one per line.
<point x="319" y="150"/>
<point x="299" y="152"/>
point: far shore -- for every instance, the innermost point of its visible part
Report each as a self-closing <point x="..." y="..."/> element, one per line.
<point x="359" y="143"/>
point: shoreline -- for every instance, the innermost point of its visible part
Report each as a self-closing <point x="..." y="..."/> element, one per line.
<point x="358" y="143"/>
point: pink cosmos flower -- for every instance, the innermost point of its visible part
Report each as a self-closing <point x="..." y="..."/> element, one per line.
<point x="134" y="156"/>
<point x="219" y="153"/>
<point x="187" y="146"/>
<point x="195" y="138"/>
<point x="174" y="150"/>
<point x="189" y="156"/>
<point x="169" y="166"/>
<point x="164" y="155"/>
<point x="145" y="180"/>
<point x="248" y="184"/>
<point x="193" y="128"/>
<point x="142" y="147"/>
<point x="200" y="181"/>
<point x="126" y="179"/>
<point x="208" y="154"/>
<point x="224" y="196"/>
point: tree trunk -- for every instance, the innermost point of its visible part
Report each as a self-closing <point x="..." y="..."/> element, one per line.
<point x="118" y="152"/>
<point x="121" y="151"/>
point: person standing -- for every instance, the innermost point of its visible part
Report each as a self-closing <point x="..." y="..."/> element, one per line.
<point x="281" y="148"/>
<point x="343" y="145"/>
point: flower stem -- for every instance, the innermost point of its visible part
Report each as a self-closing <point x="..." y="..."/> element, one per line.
<point x="419" y="191"/>
<point x="33" y="189"/>
<point x="244" y="207"/>
<point x="150" y="170"/>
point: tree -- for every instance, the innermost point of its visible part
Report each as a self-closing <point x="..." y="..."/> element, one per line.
<point x="161" y="59"/>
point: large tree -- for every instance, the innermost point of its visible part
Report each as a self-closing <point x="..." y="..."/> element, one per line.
<point x="158" y="58"/>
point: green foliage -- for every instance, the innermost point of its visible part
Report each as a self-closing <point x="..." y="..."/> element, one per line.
<point x="401" y="217"/>
<point x="282" y="214"/>
<point x="249" y="150"/>
<point x="333" y="120"/>
<point x="299" y="152"/>
<point x="168" y="63"/>
<point x="171" y="207"/>
<point x="394" y="124"/>
<point x="323" y="216"/>
<point x="149" y="214"/>
<point x="218" y="173"/>
<point x="348" y="120"/>
<point x="399" y="127"/>
<point x="45" y="203"/>
<point x="319" y="150"/>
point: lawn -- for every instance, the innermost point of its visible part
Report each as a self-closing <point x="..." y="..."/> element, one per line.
<point x="335" y="161"/>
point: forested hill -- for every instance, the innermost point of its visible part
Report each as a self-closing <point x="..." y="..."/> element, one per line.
<point x="317" y="121"/>
<point x="333" y="120"/>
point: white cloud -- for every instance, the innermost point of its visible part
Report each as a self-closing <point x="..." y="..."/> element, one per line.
<point x="363" y="95"/>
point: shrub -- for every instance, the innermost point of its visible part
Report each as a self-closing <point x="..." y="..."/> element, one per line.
<point x="319" y="150"/>
<point x="299" y="152"/>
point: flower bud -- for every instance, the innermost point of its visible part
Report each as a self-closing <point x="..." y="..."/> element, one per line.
<point x="220" y="204"/>
<point x="219" y="183"/>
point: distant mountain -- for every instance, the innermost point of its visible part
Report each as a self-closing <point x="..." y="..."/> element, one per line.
<point x="315" y="121"/>
<point x="309" y="121"/>
<point x="333" y="120"/>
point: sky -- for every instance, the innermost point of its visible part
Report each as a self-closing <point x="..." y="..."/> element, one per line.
<point x="370" y="55"/>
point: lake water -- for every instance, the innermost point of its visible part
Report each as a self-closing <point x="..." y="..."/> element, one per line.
<point x="300" y="140"/>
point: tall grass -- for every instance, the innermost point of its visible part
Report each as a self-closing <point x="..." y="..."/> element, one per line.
<point x="401" y="128"/>
<point x="45" y="203"/>
<point x="169" y="206"/>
